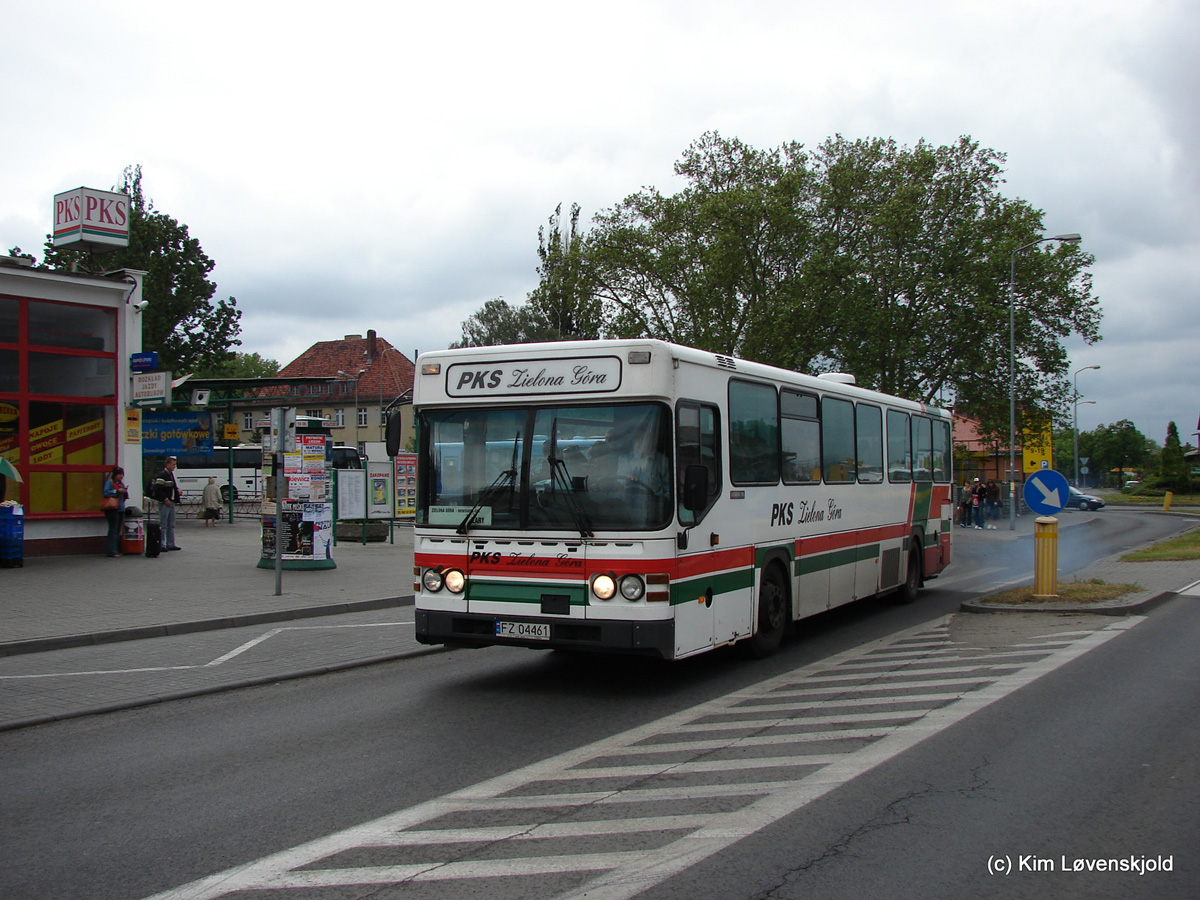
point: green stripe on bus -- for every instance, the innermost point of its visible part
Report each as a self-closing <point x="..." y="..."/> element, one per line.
<point x="807" y="565"/>
<point x="721" y="583"/>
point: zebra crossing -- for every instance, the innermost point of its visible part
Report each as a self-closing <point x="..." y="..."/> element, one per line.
<point x="609" y="820"/>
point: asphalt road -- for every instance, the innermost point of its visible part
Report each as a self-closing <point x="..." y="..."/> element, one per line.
<point x="1084" y="748"/>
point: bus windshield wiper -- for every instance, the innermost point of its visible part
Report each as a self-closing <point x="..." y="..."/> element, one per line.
<point x="561" y="478"/>
<point x="505" y="479"/>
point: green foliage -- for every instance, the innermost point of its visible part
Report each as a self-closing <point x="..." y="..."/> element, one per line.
<point x="181" y="322"/>
<point x="562" y="307"/>
<point x="563" y="303"/>
<point x="1113" y="448"/>
<point x="1172" y="466"/>
<point x="719" y="265"/>
<point x="241" y="365"/>
<point x="498" y="322"/>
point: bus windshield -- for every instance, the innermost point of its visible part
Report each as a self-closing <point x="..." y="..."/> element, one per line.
<point x="572" y="468"/>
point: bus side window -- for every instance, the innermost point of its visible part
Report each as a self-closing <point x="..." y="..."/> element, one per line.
<point x="899" y="443"/>
<point x="837" y="440"/>
<point x="941" y="452"/>
<point x="922" y="449"/>
<point x="697" y="443"/>
<point x="753" y="433"/>
<point x="869" y="443"/>
<point x="800" y="434"/>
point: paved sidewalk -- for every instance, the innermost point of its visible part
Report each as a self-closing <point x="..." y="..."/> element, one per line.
<point x="213" y="582"/>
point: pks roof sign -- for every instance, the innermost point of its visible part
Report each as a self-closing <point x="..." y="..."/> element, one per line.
<point x="86" y="218"/>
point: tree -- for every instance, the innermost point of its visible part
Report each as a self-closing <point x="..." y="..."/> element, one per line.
<point x="916" y="243"/>
<point x="181" y="322"/>
<point x="718" y="265"/>
<point x="241" y="365"/>
<point x="888" y="262"/>
<point x="563" y="303"/>
<point x="497" y="322"/>
<point x="561" y="308"/>
<point x="1173" y="466"/>
<point x="1118" y="447"/>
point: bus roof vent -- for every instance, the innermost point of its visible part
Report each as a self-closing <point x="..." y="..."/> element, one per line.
<point x="725" y="362"/>
<point x="838" y="377"/>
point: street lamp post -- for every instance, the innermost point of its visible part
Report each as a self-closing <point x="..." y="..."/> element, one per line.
<point x="356" y="378"/>
<point x="1075" y="420"/>
<point x="1071" y="238"/>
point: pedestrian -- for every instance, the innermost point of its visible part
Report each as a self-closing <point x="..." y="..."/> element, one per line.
<point x="211" y="502"/>
<point x="113" y="504"/>
<point x="992" y="493"/>
<point x="964" y="507"/>
<point x="166" y="492"/>
<point x="978" y="501"/>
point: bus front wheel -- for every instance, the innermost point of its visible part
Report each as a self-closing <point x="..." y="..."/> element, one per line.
<point x="912" y="578"/>
<point x="772" y="614"/>
<point x="227" y="491"/>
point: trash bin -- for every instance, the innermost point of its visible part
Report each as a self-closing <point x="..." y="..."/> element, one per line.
<point x="133" y="538"/>
<point x="12" y="537"/>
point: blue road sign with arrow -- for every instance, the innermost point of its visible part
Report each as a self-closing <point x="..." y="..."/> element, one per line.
<point x="1046" y="492"/>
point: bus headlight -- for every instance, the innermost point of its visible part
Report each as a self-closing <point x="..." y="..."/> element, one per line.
<point x="432" y="580"/>
<point x="632" y="588"/>
<point x="604" y="587"/>
<point x="455" y="581"/>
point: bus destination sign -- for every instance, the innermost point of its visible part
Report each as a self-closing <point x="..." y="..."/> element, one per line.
<point x="577" y="375"/>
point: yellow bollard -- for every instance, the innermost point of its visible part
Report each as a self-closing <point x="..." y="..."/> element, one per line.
<point x="1167" y="501"/>
<point x="1045" y="558"/>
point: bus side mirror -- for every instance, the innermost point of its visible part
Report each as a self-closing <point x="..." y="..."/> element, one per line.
<point x="393" y="433"/>
<point x="695" y="488"/>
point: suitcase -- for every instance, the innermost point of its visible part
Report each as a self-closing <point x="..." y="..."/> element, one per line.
<point x="153" y="539"/>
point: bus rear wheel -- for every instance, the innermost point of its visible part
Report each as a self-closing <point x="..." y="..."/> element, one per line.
<point x="227" y="491"/>
<point x="772" y="614"/>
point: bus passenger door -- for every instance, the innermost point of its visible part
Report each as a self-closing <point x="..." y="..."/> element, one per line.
<point x="694" y="599"/>
<point x="716" y="598"/>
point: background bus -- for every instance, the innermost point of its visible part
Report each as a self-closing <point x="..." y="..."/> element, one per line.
<point x="192" y="471"/>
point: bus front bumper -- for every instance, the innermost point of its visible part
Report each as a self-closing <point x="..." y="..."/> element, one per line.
<point x="467" y="630"/>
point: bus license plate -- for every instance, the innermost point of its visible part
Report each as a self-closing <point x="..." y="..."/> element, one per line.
<point x="527" y="630"/>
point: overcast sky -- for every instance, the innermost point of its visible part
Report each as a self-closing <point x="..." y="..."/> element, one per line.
<point x="387" y="165"/>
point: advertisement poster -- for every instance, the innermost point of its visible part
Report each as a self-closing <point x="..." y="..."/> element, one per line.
<point x="169" y="434"/>
<point x="303" y="530"/>
<point x="379" y="490"/>
<point x="406" y="484"/>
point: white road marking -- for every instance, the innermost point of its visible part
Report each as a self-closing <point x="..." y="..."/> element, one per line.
<point x="220" y="660"/>
<point x="675" y="842"/>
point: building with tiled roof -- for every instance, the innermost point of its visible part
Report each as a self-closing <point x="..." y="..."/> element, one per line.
<point x="368" y="376"/>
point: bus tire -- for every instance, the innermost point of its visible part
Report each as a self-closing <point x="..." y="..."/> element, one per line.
<point x="228" y="491"/>
<point x="773" y="610"/>
<point x="912" y="578"/>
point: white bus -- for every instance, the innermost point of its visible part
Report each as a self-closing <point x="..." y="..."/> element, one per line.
<point x="244" y="480"/>
<point x="641" y="497"/>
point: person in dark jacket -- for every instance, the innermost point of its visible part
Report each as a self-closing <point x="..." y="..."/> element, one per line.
<point x="166" y="492"/>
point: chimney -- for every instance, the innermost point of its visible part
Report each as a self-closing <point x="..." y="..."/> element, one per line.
<point x="371" y="345"/>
